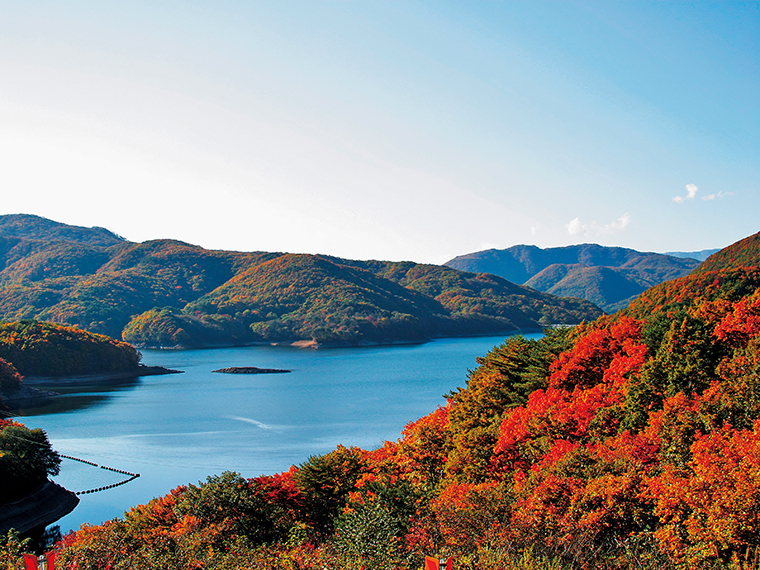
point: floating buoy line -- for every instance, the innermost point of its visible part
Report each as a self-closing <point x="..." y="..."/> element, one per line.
<point x="131" y="476"/>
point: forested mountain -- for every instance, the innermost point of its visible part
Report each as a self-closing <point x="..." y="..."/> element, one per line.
<point x="629" y="442"/>
<point x="610" y="277"/>
<point x="600" y="285"/>
<point x="46" y="349"/>
<point x="36" y="227"/>
<point x="169" y="293"/>
<point x="744" y="253"/>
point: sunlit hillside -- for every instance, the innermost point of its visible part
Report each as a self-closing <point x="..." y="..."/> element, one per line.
<point x="169" y="293"/>
<point x="629" y="442"/>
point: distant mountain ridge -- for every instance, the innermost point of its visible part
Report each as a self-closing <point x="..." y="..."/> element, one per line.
<point x="170" y="293"/>
<point x="700" y="255"/>
<point x="610" y="277"/>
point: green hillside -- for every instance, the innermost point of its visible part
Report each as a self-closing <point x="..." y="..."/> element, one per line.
<point x="465" y="294"/>
<point x="169" y="293"/>
<point x="603" y="286"/>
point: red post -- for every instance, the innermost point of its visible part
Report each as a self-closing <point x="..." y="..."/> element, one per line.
<point x="31" y="562"/>
<point x="436" y="564"/>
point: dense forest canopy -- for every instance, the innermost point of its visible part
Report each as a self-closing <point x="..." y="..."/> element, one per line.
<point x="629" y="442"/>
<point x="169" y="293"/>
<point x="46" y="349"/>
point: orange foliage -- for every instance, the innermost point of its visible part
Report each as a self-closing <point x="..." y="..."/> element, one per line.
<point x="643" y="431"/>
<point x="603" y="354"/>
<point x="711" y="508"/>
<point x="528" y="432"/>
<point x="741" y="323"/>
<point x="423" y="448"/>
<point x="461" y="517"/>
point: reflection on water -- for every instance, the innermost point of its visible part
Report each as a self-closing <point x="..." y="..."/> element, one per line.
<point x="62" y="404"/>
<point x="75" y="395"/>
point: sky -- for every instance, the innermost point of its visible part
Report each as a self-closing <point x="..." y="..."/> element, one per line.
<point x="395" y="130"/>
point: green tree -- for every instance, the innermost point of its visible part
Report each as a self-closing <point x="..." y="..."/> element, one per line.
<point x="26" y="459"/>
<point x="326" y="480"/>
<point x="368" y="536"/>
<point x="231" y="501"/>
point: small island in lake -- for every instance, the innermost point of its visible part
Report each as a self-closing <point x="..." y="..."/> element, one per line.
<point x="250" y="370"/>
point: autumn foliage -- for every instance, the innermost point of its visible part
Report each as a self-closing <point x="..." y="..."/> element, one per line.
<point x="629" y="442"/>
<point x="37" y="348"/>
<point x="167" y="293"/>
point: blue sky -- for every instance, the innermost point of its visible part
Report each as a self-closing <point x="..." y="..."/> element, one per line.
<point x="391" y="130"/>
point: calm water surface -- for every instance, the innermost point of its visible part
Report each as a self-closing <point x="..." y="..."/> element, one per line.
<point x="180" y="428"/>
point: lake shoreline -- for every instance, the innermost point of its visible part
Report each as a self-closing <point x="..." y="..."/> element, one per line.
<point x="106" y="376"/>
<point x="316" y="344"/>
<point x="22" y="397"/>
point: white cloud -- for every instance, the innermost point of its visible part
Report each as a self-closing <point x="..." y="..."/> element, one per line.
<point x="718" y="195"/>
<point x="617" y="226"/>
<point x="577" y="228"/>
<point x="691" y="191"/>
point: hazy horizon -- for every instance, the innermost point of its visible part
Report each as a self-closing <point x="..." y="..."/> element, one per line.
<point x="385" y="130"/>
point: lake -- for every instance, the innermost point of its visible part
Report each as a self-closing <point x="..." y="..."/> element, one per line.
<point x="180" y="428"/>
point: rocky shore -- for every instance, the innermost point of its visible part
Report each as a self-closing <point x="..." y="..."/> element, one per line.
<point x="43" y="507"/>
